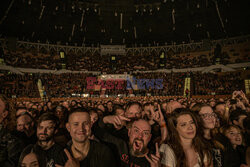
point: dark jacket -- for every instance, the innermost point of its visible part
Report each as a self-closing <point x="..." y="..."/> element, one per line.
<point x="10" y="148"/>
<point x="121" y="147"/>
<point x="54" y="155"/>
<point x="233" y="157"/>
<point x="99" y="155"/>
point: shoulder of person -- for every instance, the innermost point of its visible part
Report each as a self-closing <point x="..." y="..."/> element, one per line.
<point x="165" y="147"/>
<point x="241" y="148"/>
<point x="218" y="145"/>
<point x="7" y="136"/>
<point x="166" y="150"/>
<point x="97" y="145"/>
<point x="57" y="146"/>
<point x="101" y="150"/>
<point x="168" y="155"/>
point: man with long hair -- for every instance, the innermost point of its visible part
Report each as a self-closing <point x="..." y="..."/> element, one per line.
<point x="51" y="152"/>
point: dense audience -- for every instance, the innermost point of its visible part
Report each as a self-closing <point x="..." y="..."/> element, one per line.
<point x="142" y="131"/>
<point x="208" y="83"/>
<point x="33" y="58"/>
<point x="19" y="85"/>
<point x="148" y="129"/>
<point x="69" y="84"/>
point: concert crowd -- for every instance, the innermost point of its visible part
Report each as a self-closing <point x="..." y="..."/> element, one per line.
<point x="124" y="132"/>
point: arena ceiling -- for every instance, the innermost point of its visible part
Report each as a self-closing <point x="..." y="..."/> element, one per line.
<point x="130" y="22"/>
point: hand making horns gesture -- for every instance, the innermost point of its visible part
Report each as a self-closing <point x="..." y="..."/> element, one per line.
<point x="154" y="160"/>
<point x="72" y="162"/>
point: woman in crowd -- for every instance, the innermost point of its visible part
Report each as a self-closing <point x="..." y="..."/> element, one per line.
<point x="234" y="150"/>
<point x="185" y="146"/>
<point x="208" y="120"/>
<point x="29" y="158"/>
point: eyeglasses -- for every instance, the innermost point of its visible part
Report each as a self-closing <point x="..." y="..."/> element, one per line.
<point x="207" y="115"/>
<point x="137" y="132"/>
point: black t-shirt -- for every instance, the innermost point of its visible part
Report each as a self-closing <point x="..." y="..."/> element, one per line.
<point x="246" y="136"/>
<point x="121" y="133"/>
<point x="138" y="162"/>
<point x="156" y="134"/>
<point x="131" y="161"/>
<point x="99" y="155"/>
<point x="10" y="148"/>
<point x="126" y="160"/>
<point x="52" y="156"/>
<point x="234" y="157"/>
<point x="24" y="138"/>
<point x="62" y="137"/>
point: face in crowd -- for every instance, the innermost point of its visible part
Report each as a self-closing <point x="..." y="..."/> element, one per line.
<point x="220" y="108"/>
<point x="155" y="105"/>
<point x="147" y="110"/>
<point x="134" y="111"/>
<point x="110" y="106"/>
<point x="164" y="107"/>
<point x="49" y="105"/>
<point x="65" y="104"/>
<point x="186" y="127"/>
<point x="73" y="103"/>
<point x="208" y="117"/>
<point x="79" y="126"/>
<point x="32" y="112"/>
<point x="30" y="160"/>
<point x="93" y="117"/>
<point x="234" y="135"/>
<point x="25" y="124"/>
<point x="59" y="112"/>
<point x="139" y="137"/>
<point x="46" y="130"/>
<point x="212" y="103"/>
